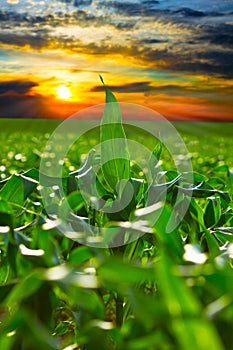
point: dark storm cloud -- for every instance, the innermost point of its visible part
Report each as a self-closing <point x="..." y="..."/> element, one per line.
<point x="6" y="16"/>
<point x="16" y="86"/>
<point x="124" y="25"/>
<point x="222" y="39"/>
<point x="78" y="3"/>
<point x="152" y="41"/>
<point x="218" y="63"/>
<point x="221" y="62"/>
<point x="35" y="41"/>
<point x="146" y="8"/>
<point x="21" y="106"/>
<point x="125" y="8"/>
<point x="150" y="2"/>
<point x="218" y="35"/>
<point x="80" y="17"/>
<point x="187" y="12"/>
<point x="22" y="19"/>
<point x="151" y="8"/>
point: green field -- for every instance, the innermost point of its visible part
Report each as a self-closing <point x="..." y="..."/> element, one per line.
<point x="23" y="140"/>
<point x="92" y="261"/>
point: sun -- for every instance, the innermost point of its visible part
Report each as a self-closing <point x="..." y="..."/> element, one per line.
<point x="63" y="92"/>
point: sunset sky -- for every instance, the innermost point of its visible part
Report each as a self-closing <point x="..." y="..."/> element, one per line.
<point x="174" y="56"/>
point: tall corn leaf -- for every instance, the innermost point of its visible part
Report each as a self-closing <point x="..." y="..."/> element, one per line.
<point x="191" y="329"/>
<point x="114" y="150"/>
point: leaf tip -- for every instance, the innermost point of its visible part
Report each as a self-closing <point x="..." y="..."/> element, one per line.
<point x="101" y="78"/>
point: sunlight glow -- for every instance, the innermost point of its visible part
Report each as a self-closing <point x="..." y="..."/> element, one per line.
<point x="63" y="92"/>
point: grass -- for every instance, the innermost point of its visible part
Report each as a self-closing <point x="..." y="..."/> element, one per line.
<point x="207" y="143"/>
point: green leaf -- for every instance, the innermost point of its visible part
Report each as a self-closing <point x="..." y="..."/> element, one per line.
<point x="13" y="190"/>
<point x="25" y="288"/>
<point x="225" y="230"/>
<point x="216" y="183"/>
<point x="74" y="202"/>
<point x="212" y="212"/>
<point x="6" y="214"/>
<point x="86" y="166"/>
<point x="225" y="234"/>
<point x="177" y="297"/>
<point x="214" y="249"/>
<point x="19" y="186"/>
<point x="155" y="157"/>
<point x="12" y="253"/>
<point x="115" y="271"/>
<point x="62" y="328"/>
<point x="158" y="218"/>
<point x="29" y="184"/>
<point x="32" y="174"/>
<point x="30" y="332"/>
<point x="157" y="192"/>
<point x="196" y="334"/>
<point x="5" y="290"/>
<point x="47" y="243"/>
<point x="197" y="178"/>
<point x="80" y="255"/>
<point x="148" y="309"/>
<point x="4" y="271"/>
<point x="202" y="192"/>
<point x="155" y="340"/>
<point x="115" y="159"/>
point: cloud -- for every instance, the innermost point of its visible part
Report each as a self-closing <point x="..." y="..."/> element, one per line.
<point x="22" y="19"/>
<point x="152" y="41"/>
<point x="194" y="56"/>
<point x="146" y="88"/>
<point x="221" y="62"/>
<point x="21" y="106"/>
<point x="187" y="12"/>
<point x="16" y="86"/>
<point x="143" y="86"/>
<point x="129" y="9"/>
<point x="218" y="35"/>
<point x="214" y="62"/>
<point x="79" y="70"/>
<point x="51" y="19"/>
<point x="124" y="25"/>
<point x="37" y="41"/>
<point x="150" y="2"/>
<point x="12" y="106"/>
<point x="181" y="45"/>
<point x="48" y="21"/>
<point x="78" y="3"/>
<point x="152" y="8"/>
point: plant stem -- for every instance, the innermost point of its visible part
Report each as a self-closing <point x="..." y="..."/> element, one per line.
<point x="119" y="310"/>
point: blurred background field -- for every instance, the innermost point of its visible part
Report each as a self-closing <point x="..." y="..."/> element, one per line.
<point x="23" y="141"/>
